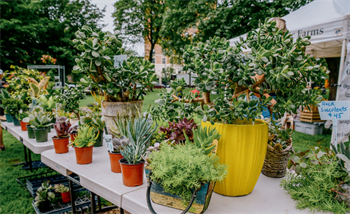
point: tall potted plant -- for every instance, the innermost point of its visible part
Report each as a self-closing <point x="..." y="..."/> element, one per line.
<point x="40" y="124"/>
<point x="138" y="133"/>
<point x="96" y="121"/>
<point x="69" y="99"/>
<point x="277" y="64"/>
<point x="83" y="144"/>
<point x="61" y="140"/>
<point x="123" y="86"/>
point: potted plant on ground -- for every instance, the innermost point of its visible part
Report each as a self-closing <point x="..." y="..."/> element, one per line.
<point x="139" y="132"/>
<point x="69" y="99"/>
<point x="122" y="85"/>
<point x="40" y="124"/>
<point x="96" y="121"/>
<point x="61" y="140"/>
<point x="65" y="194"/>
<point x="171" y="176"/>
<point x="83" y="144"/>
<point x="277" y="64"/>
<point x="44" y="196"/>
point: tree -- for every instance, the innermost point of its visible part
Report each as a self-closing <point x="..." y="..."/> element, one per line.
<point x="138" y="20"/>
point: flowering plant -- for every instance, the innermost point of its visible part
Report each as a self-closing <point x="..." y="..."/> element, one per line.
<point x="47" y="59"/>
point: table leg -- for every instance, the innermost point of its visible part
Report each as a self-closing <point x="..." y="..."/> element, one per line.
<point x="121" y="211"/>
<point x="93" y="203"/>
<point x="25" y="156"/>
<point x="99" y="203"/>
<point x="30" y="160"/>
<point x="72" y="201"/>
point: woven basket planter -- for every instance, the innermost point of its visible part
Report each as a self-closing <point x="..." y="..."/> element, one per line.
<point x="275" y="163"/>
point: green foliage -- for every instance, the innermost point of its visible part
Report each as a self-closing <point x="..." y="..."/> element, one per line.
<point x="95" y="121"/>
<point x="60" y="188"/>
<point x="39" y="120"/>
<point x="343" y="155"/>
<point x="139" y="133"/>
<point x="47" y="103"/>
<point x="86" y="137"/>
<point x="43" y="194"/>
<point x="70" y="97"/>
<point x="12" y="104"/>
<point x="20" y="116"/>
<point x="279" y="138"/>
<point x="183" y="168"/>
<point x="178" y="85"/>
<point x="203" y="138"/>
<point x="312" y="186"/>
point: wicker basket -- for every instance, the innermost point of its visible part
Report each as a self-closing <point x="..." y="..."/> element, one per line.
<point x="275" y="162"/>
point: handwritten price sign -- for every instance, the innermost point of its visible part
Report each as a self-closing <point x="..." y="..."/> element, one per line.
<point x="334" y="110"/>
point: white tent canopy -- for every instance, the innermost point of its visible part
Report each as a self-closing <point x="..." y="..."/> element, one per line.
<point x="326" y="21"/>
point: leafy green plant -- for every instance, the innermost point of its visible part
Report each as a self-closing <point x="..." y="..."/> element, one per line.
<point x="47" y="103"/>
<point x="125" y="83"/>
<point x="279" y="138"/>
<point x="343" y="155"/>
<point x="69" y="99"/>
<point x="178" y="85"/>
<point x="203" y="138"/>
<point x="21" y="115"/>
<point x="182" y="168"/>
<point x="61" y="126"/>
<point x="12" y="104"/>
<point x="86" y="137"/>
<point x="95" y="121"/>
<point x="43" y="194"/>
<point x="60" y="188"/>
<point x="39" y="120"/>
<point x="176" y="131"/>
<point x="139" y="133"/>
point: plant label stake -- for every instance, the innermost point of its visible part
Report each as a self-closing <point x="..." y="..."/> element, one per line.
<point x="334" y="110"/>
<point x="109" y="143"/>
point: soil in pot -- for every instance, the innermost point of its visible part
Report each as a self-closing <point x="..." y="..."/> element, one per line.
<point x="61" y="145"/>
<point x="31" y="134"/>
<point x="65" y="197"/>
<point x="8" y="118"/>
<point x="132" y="174"/>
<point x="72" y="136"/>
<point x="83" y="155"/>
<point x="15" y="120"/>
<point x="23" y="126"/>
<point x="40" y="135"/>
<point x="114" y="159"/>
<point x="99" y="140"/>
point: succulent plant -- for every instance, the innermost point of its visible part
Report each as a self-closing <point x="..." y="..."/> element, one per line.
<point x="60" y="188"/>
<point x="95" y="121"/>
<point x="86" y="137"/>
<point x="279" y="138"/>
<point x="43" y="193"/>
<point x="118" y="142"/>
<point x="62" y="126"/>
<point x="203" y="138"/>
<point x="40" y="120"/>
<point x="176" y="131"/>
<point x="73" y="129"/>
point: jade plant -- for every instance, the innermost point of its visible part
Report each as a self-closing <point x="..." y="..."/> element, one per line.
<point x="277" y="64"/>
<point x="39" y="120"/>
<point x="61" y="126"/>
<point x="69" y="99"/>
<point x="43" y="194"/>
<point x="86" y="137"/>
<point x="175" y="131"/>
<point x="60" y="188"/>
<point x="123" y="83"/>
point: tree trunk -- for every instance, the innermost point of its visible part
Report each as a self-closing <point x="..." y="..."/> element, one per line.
<point x="151" y="52"/>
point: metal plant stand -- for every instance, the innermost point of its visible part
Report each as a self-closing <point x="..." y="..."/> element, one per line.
<point x="61" y="72"/>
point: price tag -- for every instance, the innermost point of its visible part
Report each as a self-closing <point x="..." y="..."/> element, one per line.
<point x="109" y="142"/>
<point x="334" y="110"/>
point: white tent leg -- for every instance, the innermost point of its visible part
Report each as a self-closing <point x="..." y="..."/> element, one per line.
<point x="341" y="67"/>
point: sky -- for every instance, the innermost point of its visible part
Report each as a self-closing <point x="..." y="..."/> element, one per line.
<point x="139" y="48"/>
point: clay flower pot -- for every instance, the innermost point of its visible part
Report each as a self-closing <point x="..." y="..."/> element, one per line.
<point x="132" y="174"/>
<point x="114" y="159"/>
<point x="61" y="145"/>
<point x="65" y="197"/>
<point x="23" y="126"/>
<point x="83" y="155"/>
<point x="73" y="136"/>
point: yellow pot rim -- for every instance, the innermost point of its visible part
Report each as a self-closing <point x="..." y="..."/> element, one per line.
<point x="261" y="123"/>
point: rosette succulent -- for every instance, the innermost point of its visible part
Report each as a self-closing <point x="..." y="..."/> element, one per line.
<point x="62" y="127"/>
<point x="176" y="131"/>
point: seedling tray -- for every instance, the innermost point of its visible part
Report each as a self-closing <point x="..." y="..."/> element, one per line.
<point x="35" y="165"/>
<point x="81" y="204"/>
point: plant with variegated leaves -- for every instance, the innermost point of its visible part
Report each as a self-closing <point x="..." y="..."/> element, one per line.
<point x="86" y="137"/>
<point x="61" y="126"/>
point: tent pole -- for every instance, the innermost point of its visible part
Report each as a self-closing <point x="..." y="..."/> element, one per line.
<point x="341" y="67"/>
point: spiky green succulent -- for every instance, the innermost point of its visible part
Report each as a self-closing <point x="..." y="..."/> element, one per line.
<point x="86" y="137"/>
<point x="203" y="138"/>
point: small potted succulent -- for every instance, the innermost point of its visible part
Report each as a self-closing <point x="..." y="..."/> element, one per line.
<point x="33" y="107"/>
<point x="40" y="125"/>
<point x="73" y="131"/>
<point x="61" y="140"/>
<point x="175" y="131"/>
<point x="43" y="197"/>
<point x="21" y="115"/>
<point x="96" y="121"/>
<point x="83" y="144"/>
<point x="139" y="132"/>
<point x="65" y="194"/>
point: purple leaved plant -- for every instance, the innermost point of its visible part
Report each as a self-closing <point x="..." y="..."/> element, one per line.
<point x="62" y="126"/>
<point x="175" y="131"/>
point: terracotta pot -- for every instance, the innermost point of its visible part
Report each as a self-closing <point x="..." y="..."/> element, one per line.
<point x="61" y="145"/>
<point x="114" y="159"/>
<point x="132" y="173"/>
<point x="83" y="155"/>
<point x="73" y="136"/>
<point x="23" y="126"/>
<point x="65" y="197"/>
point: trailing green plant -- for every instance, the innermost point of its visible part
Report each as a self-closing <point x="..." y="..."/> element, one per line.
<point x="43" y="194"/>
<point x="123" y="83"/>
<point x="61" y="126"/>
<point x="60" y="188"/>
<point x="69" y="99"/>
<point x="39" y="120"/>
<point x="139" y="133"/>
<point x="86" y="137"/>
<point x="176" y="131"/>
<point x="279" y="138"/>
<point x="183" y="168"/>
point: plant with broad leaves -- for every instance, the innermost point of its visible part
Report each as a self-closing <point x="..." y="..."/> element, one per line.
<point x="60" y="188"/>
<point x="125" y="83"/>
<point x="61" y="126"/>
<point x="12" y="104"/>
<point x="96" y="121"/>
<point x="39" y="120"/>
<point x="43" y="194"/>
<point x="176" y="131"/>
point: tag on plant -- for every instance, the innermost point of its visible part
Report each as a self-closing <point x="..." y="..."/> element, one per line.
<point x="109" y="142"/>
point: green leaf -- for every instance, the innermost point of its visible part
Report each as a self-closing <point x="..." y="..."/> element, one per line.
<point x="95" y="54"/>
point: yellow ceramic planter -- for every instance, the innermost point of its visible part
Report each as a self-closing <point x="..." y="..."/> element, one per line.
<point x="243" y="148"/>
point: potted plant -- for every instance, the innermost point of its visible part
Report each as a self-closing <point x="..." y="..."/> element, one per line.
<point x="44" y="196"/>
<point x="83" y="144"/>
<point x="96" y="121"/>
<point x="123" y="85"/>
<point x="61" y="140"/>
<point x="279" y="148"/>
<point x="172" y="178"/>
<point x="277" y="64"/>
<point x="176" y="131"/>
<point x="73" y="131"/>
<point x="34" y="106"/>
<point x="12" y="106"/>
<point x="139" y="132"/>
<point x="69" y="99"/>
<point x="115" y="156"/>
<point x="40" y="123"/>
<point x="65" y="194"/>
<point x="21" y="115"/>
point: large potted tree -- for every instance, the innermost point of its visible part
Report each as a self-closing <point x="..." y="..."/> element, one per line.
<point x="277" y="64"/>
<point x="122" y="85"/>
